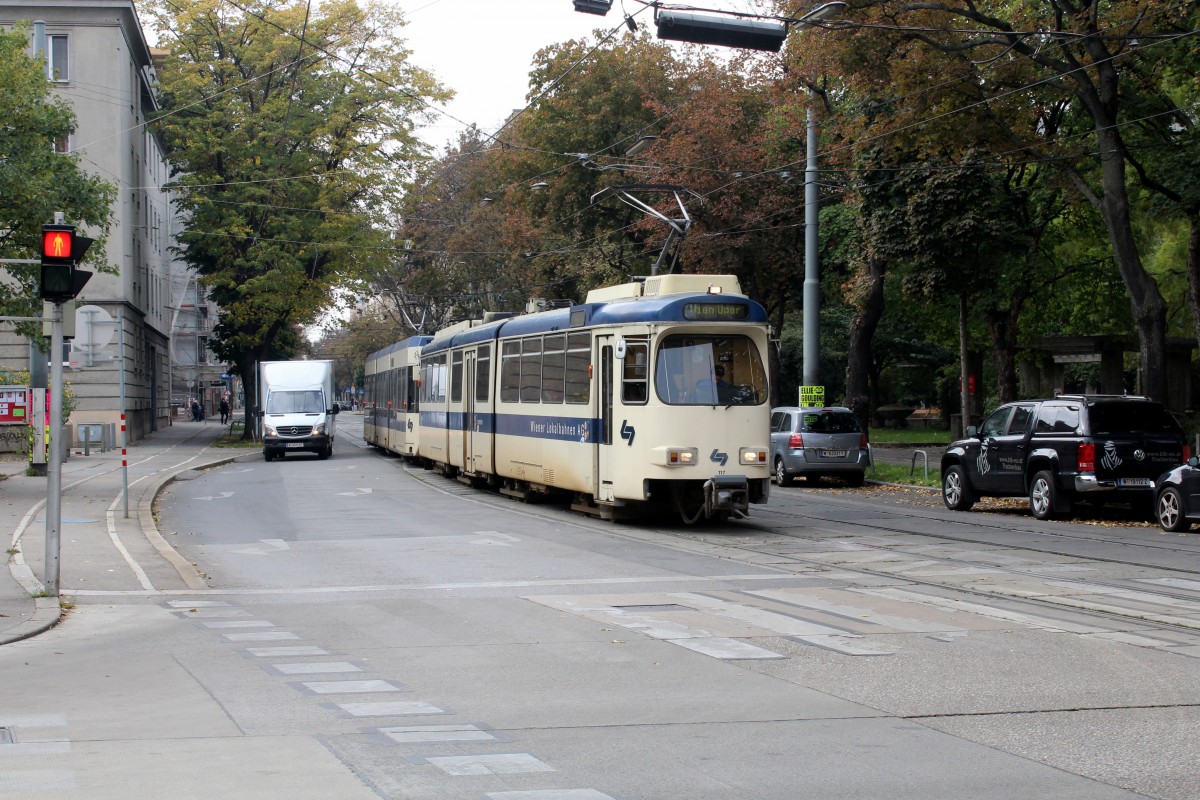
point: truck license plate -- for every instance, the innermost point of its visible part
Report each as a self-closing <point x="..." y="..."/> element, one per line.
<point x="295" y="444"/>
<point x="1134" y="482"/>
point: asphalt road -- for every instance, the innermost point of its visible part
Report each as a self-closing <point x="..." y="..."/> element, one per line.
<point x="384" y="632"/>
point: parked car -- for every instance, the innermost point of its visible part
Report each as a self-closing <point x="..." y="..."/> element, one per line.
<point x="816" y="442"/>
<point x="1073" y="447"/>
<point x="1178" y="503"/>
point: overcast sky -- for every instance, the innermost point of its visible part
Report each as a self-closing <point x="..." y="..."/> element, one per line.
<point x="483" y="49"/>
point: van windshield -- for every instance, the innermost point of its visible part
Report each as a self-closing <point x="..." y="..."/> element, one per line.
<point x="307" y="401"/>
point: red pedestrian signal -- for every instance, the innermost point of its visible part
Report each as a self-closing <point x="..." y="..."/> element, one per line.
<point x="61" y="251"/>
<point x="57" y="243"/>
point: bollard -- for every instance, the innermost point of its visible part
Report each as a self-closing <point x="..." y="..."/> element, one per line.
<point x="87" y="440"/>
<point x="913" y="466"/>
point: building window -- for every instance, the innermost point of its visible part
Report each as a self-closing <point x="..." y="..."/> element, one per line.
<point x="201" y="349"/>
<point x="62" y="145"/>
<point x="56" y="57"/>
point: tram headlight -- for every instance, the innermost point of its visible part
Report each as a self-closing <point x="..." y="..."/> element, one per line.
<point x="752" y="455"/>
<point x="682" y="456"/>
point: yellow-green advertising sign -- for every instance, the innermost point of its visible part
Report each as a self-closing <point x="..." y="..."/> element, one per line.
<point x="812" y="396"/>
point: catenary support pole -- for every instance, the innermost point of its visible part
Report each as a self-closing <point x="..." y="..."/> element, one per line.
<point x="812" y="280"/>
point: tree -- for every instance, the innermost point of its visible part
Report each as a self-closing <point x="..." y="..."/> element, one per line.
<point x="291" y="131"/>
<point x="1061" y="81"/>
<point x="35" y="179"/>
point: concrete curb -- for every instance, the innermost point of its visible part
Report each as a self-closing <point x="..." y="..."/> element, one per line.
<point x="48" y="611"/>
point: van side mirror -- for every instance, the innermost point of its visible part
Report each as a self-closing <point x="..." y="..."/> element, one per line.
<point x="336" y="408"/>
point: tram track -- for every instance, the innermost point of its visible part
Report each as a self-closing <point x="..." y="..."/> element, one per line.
<point x="768" y="521"/>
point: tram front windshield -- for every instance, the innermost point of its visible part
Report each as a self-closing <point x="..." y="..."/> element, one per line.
<point x="703" y="370"/>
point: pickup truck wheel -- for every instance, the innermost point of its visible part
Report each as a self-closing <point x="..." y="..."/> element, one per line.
<point x="1043" y="496"/>
<point x="955" y="493"/>
<point x="1169" y="511"/>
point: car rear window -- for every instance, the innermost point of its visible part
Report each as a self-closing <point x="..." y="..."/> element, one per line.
<point x="1110" y="419"/>
<point x="830" y="422"/>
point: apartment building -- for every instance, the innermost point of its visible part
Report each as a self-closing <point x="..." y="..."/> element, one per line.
<point x="142" y="332"/>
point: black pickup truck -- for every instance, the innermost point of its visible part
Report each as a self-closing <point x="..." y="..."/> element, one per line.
<point x="1073" y="447"/>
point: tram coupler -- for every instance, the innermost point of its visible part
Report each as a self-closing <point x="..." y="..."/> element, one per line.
<point x="726" y="493"/>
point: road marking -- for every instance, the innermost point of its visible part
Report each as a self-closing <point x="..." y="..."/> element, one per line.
<point x="490" y="764"/>
<point x="725" y="648"/>
<point x="275" y="652"/>
<point x="350" y="687"/>
<point x="34" y="748"/>
<point x="37" y="780"/>
<point x="221" y="496"/>
<point x="437" y="733"/>
<point x="396" y="708"/>
<point x="236" y="623"/>
<point x="262" y="636"/>
<point x="550" y="794"/>
<point x="316" y="667"/>
<point x="272" y="546"/>
<point x="212" y="613"/>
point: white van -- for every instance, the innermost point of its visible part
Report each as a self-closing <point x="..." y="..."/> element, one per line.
<point x="296" y="407"/>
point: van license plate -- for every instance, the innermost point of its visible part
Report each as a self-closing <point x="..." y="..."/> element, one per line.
<point x="833" y="454"/>
<point x="1134" y="482"/>
<point x="295" y="444"/>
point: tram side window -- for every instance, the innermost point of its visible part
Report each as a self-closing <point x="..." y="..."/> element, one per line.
<point x="579" y="359"/>
<point x="634" y="372"/>
<point x="433" y="379"/>
<point x="483" y="372"/>
<point x="531" y="370"/>
<point x="456" y="377"/>
<point x="510" y="372"/>
<point x="554" y="365"/>
<point x="412" y="395"/>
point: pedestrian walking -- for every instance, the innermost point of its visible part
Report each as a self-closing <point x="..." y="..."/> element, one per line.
<point x="224" y="411"/>
<point x="195" y="411"/>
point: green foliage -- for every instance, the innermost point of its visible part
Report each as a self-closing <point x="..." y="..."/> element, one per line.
<point x="288" y="155"/>
<point x="34" y="180"/>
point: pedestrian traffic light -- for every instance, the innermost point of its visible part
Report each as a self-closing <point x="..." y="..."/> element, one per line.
<point x="62" y="249"/>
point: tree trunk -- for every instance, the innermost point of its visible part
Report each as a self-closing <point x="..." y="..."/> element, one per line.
<point x="1146" y="301"/>
<point x="964" y="356"/>
<point x="1193" y="273"/>
<point x="249" y="373"/>
<point x="862" y="331"/>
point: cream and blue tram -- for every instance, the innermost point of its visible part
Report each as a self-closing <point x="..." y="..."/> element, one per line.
<point x="390" y="397"/>
<point x="652" y="392"/>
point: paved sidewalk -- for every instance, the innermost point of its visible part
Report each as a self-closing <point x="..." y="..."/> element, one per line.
<point x="92" y="494"/>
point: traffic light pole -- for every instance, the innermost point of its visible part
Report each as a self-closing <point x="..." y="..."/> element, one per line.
<point x="54" y="466"/>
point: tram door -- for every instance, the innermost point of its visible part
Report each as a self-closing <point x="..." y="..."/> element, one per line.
<point x="603" y="411"/>
<point x="468" y="412"/>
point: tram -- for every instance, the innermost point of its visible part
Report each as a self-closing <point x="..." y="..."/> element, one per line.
<point x="390" y="403"/>
<point x="649" y="393"/>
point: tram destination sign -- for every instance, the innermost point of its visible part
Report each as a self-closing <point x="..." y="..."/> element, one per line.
<point x="715" y="312"/>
